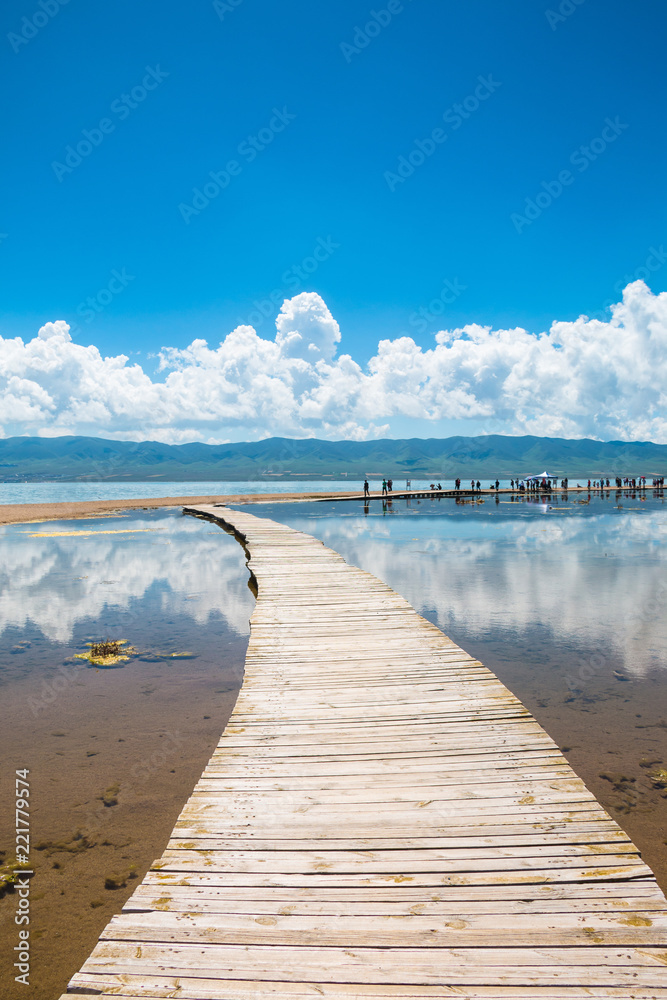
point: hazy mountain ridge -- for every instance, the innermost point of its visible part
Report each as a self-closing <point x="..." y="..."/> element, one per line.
<point x="68" y="458"/>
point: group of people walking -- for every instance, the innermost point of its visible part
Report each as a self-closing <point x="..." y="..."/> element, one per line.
<point x="532" y="485"/>
<point x="638" y="483"/>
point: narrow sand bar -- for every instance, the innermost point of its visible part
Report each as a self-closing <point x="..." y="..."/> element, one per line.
<point x="15" y="513"/>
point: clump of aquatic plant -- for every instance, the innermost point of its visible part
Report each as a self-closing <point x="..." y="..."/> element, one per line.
<point x="107" y="653"/>
<point x="116" y="881"/>
<point x="9" y="872"/>
<point x="110" y="795"/>
<point x="110" y="647"/>
<point x="76" y="843"/>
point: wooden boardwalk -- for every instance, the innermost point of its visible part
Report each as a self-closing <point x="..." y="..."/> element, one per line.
<point x="381" y="818"/>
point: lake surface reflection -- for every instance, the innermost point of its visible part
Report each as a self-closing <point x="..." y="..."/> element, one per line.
<point x="590" y="581"/>
<point x="564" y="601"/>
<point x="152" y="577"/>
<point x="594" y="582"/>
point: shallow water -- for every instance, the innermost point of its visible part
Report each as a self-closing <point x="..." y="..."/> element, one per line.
<point x="11" y="493"/>
<point x="113" y="753"/>
<point x="589" y="578"/>
<point x="155" y="573"/>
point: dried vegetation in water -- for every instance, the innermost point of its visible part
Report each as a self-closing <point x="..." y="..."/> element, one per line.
<point x="107" y="653"/>
<point x="112" y="651"/>
<point x="10" y="871"/>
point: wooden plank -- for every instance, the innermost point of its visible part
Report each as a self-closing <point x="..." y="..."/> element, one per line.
<point x="307" y="858"/>
<point x="508" y="966"/>
<point x="190" y="988"/>
<point x="381" y="818"/>
<point x="574" y="910"/>
<point x="171" y="874"/>
<point x="400" y="862"/>
<point x="609" y="837"/>
<point x="400" y="929"/>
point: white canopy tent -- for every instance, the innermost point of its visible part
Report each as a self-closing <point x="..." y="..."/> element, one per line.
<point x="542" y="475"/>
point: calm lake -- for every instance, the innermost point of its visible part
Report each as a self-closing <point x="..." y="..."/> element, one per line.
<point x="588" y="578"/>
<point x="564" y="600"/>
<point x="71" y="492"/>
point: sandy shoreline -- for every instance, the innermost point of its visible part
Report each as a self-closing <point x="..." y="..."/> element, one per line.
<point x="16" y="513"/>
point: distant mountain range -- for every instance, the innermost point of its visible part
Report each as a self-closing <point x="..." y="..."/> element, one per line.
<point x="82" y="458"/>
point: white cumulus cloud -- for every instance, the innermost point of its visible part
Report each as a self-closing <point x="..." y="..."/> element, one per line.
<point x="306" y="328"/>
<point x="585" y="378"/>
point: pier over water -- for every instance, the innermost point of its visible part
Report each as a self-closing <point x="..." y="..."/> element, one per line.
<point x="381" y="818"/>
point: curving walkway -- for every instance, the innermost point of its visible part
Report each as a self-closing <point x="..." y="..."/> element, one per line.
<point x="381" y="818"/>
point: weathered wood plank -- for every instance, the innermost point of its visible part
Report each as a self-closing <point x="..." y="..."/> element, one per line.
<point x="400" y="929"/>
<point x="170" y="874"/>
<point x="578" y="966"/>
<point x="575" y="911"/>
<point x="608" y="837"/>
<point x="189" y="988"/>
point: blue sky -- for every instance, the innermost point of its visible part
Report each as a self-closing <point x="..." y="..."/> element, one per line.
<point x="334" y="94"/>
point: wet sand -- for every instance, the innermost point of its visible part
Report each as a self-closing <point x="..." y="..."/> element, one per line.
<point x="17" y="513"/>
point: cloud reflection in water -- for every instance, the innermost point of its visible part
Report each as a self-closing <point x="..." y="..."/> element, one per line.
<point x="594" y="582"/>
<point x="54" y="583"/>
